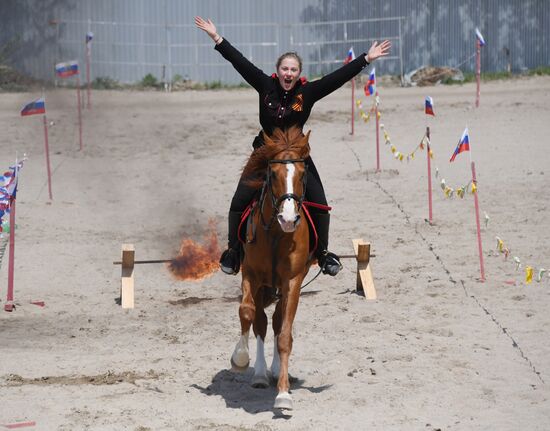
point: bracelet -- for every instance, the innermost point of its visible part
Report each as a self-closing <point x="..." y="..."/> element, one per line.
<point x="217" y="40"/>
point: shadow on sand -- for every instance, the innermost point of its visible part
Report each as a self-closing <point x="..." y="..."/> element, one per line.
<point x="236" y="390"/>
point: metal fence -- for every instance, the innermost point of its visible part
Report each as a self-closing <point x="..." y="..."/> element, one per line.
<point x="137" y="37"/>
<point x="129" y="51"/>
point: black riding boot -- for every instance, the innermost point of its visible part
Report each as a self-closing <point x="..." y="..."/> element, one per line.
<point x="230" y="262"/>
<point x="328" y="262"/>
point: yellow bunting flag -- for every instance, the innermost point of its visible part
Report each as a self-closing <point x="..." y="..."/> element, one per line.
<point x="500" y="245"/>
<point x="528" y="274"/>
<point x="474" y="188"/>
<point x="393" y="149"/>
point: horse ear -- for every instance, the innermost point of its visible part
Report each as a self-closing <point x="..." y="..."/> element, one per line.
<point x="307" y="135"/>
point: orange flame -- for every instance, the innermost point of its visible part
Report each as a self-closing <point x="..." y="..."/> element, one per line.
<point x="197" y="261"/>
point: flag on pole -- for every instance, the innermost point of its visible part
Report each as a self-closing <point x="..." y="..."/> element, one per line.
<point x="350" y="57"/>
<point x="480" y="37"/>
<point x="463" y="145"/>
<point x="64" y="70"/>
<point x="429" y="108"/>
<point x="370" y="86"/>
<point x="89" y="36"/>
<point x="37" y="106"/>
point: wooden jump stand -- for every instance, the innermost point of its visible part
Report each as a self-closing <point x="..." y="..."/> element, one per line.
<point x="365" y="282"/>
<point x="127" y="283"/>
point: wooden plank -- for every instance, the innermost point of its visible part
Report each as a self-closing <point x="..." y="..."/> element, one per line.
<point x="368" y="283"/>
<point x="365" y="282"/>
<point x="127" y="276"/>
<point x="356" y="243"/>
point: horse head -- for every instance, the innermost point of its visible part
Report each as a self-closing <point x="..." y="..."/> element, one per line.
<point x="287" y="176"/>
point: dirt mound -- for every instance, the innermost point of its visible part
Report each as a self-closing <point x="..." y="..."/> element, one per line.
<point x="430" y="75"/>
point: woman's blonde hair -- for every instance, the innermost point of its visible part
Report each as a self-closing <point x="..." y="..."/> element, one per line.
<point x="290" y="54"/>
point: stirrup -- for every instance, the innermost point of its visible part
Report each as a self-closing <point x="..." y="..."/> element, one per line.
<point x="329" y="263"/>
<point x="230" y="261"/>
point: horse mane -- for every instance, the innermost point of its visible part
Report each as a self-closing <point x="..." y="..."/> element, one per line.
<point x="292" y="140"/>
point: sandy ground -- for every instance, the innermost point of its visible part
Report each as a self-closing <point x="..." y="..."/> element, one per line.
<point x="437" y="350"/>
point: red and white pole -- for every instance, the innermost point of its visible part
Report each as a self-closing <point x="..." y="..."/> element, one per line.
<point x="352" y="105"/>
<point x="79" y="110"/>
<point x="377" y="133"/>
<point x="480" y="248"/>
<point x="47" y="151"/>
<point x="478" y="71"/>
<point x="428" y="150"/>
<point x="9" y="300"/>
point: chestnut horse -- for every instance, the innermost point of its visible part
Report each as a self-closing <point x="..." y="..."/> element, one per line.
<point x="277" y="259"/>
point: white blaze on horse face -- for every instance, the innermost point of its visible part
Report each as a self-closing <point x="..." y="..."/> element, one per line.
<point x="287" y="217"/>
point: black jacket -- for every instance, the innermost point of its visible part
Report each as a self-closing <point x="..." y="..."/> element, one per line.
<point x="280" y="108"/>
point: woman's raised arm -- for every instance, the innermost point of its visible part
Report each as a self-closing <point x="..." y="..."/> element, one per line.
<point x="251" y="74"/>
<point x="209" y="27"/>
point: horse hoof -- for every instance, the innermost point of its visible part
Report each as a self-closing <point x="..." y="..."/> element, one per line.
<point x="283" y="401"/>
<point x="238" y="368"/>
<point x="260" y="382"/>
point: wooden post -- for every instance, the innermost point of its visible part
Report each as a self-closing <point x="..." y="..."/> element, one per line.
<point x="365" y="282"/>
<point x="127" y="283"/>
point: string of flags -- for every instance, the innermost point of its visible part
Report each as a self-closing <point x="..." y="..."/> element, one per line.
<point x="8" y="191"/>
<point x="366" y="115"/>
<point x="530" y="271"/>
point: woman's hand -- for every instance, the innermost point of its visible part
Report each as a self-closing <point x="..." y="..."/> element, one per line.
<point x="376" y="51"/>
<point x="209" y="27"/>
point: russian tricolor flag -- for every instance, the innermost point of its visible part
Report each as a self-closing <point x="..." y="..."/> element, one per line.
<point x="37" y="106"/>
<point x="370" y="86"/>
<point x="480" y="37"/>
<point x="463" y="144"/>
<point x="429" y="109"/>
<point x="350" y="57"/>
<point x="63" y="70"/>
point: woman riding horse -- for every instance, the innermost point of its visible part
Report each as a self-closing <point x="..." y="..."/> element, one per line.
<point x="286" y="100"/>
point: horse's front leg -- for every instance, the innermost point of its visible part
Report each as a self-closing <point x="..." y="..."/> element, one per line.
<point x="260" y="379"/>
<point x="240" y="358"/>
<point x="284" y="340"/>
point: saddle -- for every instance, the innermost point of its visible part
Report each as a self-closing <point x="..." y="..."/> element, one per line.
<point x="247" y="229"/>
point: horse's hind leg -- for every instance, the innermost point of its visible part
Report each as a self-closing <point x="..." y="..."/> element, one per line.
<point x="260" y="379"/>
<point x="240" y="357"/>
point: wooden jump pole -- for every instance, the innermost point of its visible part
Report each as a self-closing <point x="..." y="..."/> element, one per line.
<point x="127" y="283"/>
<point x="362" y="255"/>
